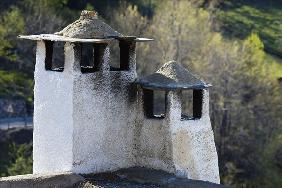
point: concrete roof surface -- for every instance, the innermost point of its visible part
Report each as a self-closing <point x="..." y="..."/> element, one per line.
<point x="172" y="76"/>
<point x="135" y="177"/>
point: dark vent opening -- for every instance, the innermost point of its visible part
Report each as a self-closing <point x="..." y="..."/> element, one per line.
<point x="54" y="60"/>
<point x="92" y="57"/>
<point x="126" y="48"/>
<point x="87" y="58"/>
<point x="115" y="56"/>
<point x="154" y="103"/>
<point x="121" y="53"/>
<point x="197" y="103"/>
<point x="99" y="55"/>
<point x="191" y="104"/>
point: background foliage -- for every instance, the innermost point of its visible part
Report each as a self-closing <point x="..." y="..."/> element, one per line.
<point x="234" y="45"/>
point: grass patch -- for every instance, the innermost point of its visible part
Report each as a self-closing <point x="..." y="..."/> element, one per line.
<point x="240" y="18"/>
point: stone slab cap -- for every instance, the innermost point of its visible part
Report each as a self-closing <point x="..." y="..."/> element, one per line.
<point x="88" y="28"/>
<point x="172" y="76"/>
<point x="53" y="37"/>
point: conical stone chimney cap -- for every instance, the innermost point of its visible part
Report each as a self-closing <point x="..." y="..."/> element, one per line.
<point x="172" y="76"/>
<point x="89" y="26"/>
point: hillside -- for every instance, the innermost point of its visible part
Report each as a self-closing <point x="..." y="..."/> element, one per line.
<point x="241" y="17"/>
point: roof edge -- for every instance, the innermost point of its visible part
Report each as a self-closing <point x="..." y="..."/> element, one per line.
<point x="54" y="37"/>
<point x="168" y="87"/>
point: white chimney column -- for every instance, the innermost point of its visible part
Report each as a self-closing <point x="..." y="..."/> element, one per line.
<point x="193" y="146"/>
<point x="53" y="114"/>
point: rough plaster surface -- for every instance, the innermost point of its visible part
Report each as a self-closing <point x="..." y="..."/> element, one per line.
<point x="104" y="118"/>
<point x="183" y="147"/>
<point x="103" y="133"/>
<point x="53" y="122"/>
<point x="83" y="122"/>
<point x="94" y="122"/>
<point x="194" y="151"/>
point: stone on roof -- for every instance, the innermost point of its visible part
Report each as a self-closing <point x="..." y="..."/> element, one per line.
<point x="172" y="76"/>
<point x="89" y="26"/>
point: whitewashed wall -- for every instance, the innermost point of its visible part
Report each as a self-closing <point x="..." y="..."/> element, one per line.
<point x="94" y="122"/>
<point x="53" y="116"/>
<point x="183" y="147"/>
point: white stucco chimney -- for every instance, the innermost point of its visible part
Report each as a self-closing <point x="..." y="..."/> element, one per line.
<point x="95" y="118"/>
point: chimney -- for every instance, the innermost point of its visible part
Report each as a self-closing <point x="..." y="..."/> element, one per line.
<point x="91" y="118"/>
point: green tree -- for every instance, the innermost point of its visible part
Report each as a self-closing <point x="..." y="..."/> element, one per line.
<point x="245" y="100"/>
<point x="11" y="24"/>
<point x="21" y="159"/>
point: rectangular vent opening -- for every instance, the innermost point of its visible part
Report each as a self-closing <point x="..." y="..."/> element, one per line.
<point x="115" y="56"/>
<point x="126" y="48"/>
<point x="191" y="104"/>
<point x="87" y="58"/>
<point x="154" y="103"/>
<point x="54" y="59"/>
